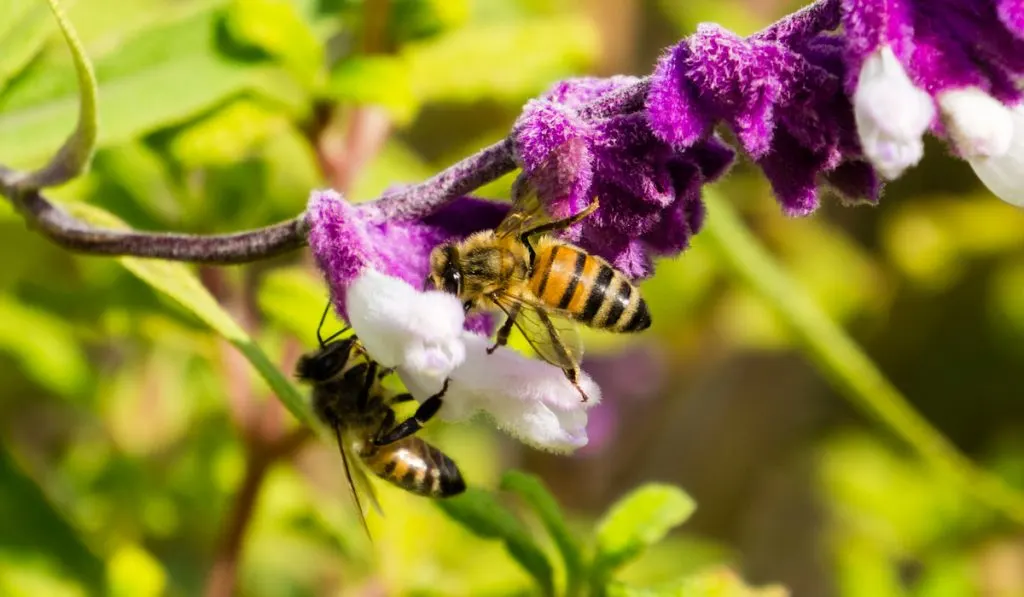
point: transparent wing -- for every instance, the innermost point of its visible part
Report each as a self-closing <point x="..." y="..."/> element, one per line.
<point x="527" y="210"/>
<point x="357" y="480"/>
<point x="554" y="336"/>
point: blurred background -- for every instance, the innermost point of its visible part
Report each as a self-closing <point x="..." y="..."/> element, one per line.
<point x="140" y="448"/>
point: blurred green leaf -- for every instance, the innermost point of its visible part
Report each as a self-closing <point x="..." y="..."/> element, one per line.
<point x="44" y="346"/>
<point x="277" y="27"/>
<point x="532" y="490"/>
<point x="176" y="281"/>
<point x="294" y="299"/>
<point x="23" y="31"/>
<point x="72" y="158"/>
<point x="506" y="62"/>
<point x="227" y="136"/>
<point x="379" y="80"/>
<point x="417" y="19"/>
<point x="717" y="582"/>
<point x="637" y="521"/>
<point x="480" y="512"/>
<point x="135" y="573"/>
<point x="164" y="76"/>
<point x="33" y="525"/>
<point x="143" y="174"/>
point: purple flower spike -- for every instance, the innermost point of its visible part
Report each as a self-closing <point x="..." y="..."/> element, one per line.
<point x="649" y="190"/>
<point x="346" y="239"/>
<point x="781" y="92"/>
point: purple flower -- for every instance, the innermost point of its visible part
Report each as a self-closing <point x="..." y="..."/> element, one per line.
<point x="913" y="60"/>
<point x="649" y="191"/>
<point x="783" y="97"/>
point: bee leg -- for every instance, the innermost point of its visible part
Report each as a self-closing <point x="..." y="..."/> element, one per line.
<point x="559" y="224"/>
<point x="382" y="373"/>
<point x="505" y="330"/>
<point x="407" y="397"/>
<point x="424" y="413"/>
<point x="573" y="375"/>
<point x="368" y="380"/>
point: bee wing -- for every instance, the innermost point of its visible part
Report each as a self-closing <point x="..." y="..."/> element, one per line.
<point x="527" y="210"/>
<point x="357" y="482"/>
<point x="550" y="333"/>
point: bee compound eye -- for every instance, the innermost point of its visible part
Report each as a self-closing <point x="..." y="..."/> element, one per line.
<point x="453" y="282"/>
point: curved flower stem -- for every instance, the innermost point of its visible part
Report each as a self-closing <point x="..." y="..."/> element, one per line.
<point x="839" y="358"/>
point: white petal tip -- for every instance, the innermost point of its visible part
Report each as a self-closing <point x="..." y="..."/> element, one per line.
<point x="1004" y="174"/>
<point x="978" y="123"/>
<point x="891" y="114"/>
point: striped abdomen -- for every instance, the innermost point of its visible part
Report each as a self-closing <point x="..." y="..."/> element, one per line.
<point x="417" y="467"/>
<point x="593" y="292"/>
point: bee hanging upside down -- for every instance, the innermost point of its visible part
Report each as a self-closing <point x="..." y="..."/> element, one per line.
<point x="542" y="284"/>
<point x="348" y="397"/>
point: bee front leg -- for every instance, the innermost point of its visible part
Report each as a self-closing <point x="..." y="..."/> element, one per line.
<point x="424" y="413"/>
<point x="505" y="330"/>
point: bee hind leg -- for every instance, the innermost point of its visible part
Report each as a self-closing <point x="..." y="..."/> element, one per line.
<point x="424" y="413"/>
<point x="573" y="375"/>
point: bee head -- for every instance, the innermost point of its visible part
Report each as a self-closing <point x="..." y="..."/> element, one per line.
<point x="325" y="363"/>
<point x="444" y="270"/>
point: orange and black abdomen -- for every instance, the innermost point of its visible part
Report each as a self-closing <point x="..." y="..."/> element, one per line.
<point x="417" y="467"/>
<point x="593" y="292"/>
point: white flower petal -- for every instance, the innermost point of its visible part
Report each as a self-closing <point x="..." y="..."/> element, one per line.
<point x="1004" y="174"/>
<point x="528" y="398"/>
<point x="978" y="123"/>
<point x="402" y="326"/>
<point x="891" y="114"/>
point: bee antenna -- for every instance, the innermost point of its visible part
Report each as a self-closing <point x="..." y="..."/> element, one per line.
<point x="323" y="318"/>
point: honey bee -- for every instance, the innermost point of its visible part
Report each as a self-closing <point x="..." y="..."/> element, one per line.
<point x="542" y="284"/>
<point x="348" y="397"/>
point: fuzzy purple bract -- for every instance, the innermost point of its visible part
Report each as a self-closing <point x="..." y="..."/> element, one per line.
<point x="347" y="238"/>
<point x="783" y="98"/>
<point x="649" y="192"/>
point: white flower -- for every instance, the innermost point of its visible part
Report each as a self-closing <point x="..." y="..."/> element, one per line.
<point x="980" y="126"/>
<point x="891" y="114"/>
<point x="421" y="333"/>
<point x="1004" y="174"/>
<point x="401" y="326"/>
<point x="529" y="399"/>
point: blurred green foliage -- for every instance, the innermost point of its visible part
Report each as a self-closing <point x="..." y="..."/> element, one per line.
<point x="123" y="451"/>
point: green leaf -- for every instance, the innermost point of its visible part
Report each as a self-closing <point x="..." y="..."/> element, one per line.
<point x="44" y="347"/>
<point x="639" y="520"/>
<point x="228" y="135"/>
<point x="506" y="62"/>
<point x="33" y="525"/>
<point x="73" y="156"/>
<point x="532" y="490"/>
<point x="162" y="77"/>
<point x="23" y="32"/>
<point x="133" y="572"/>
<point x="716" y="582"/>
<point x="379" y="80"/>
<point x="277" y="28"/>
<point x="480" y="512"/>
<point x="177" y="281"/>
